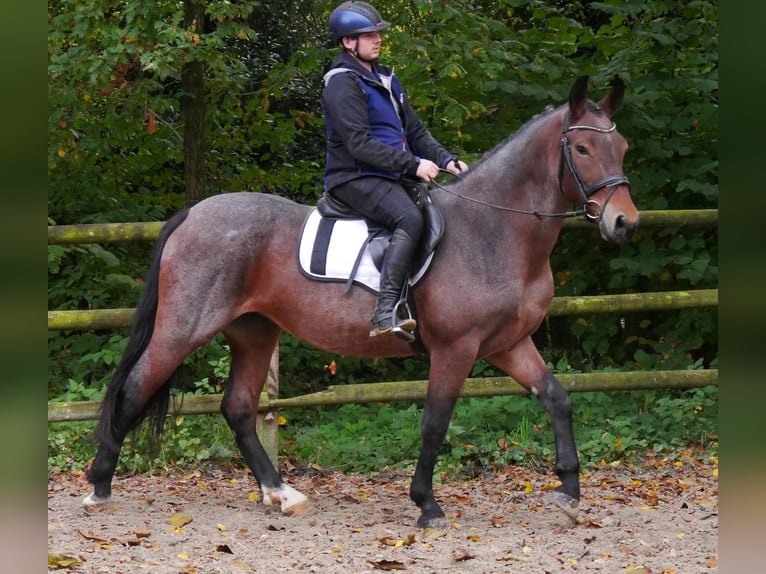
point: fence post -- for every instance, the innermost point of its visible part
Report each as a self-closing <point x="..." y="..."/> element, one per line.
<point x="267" y="422"/>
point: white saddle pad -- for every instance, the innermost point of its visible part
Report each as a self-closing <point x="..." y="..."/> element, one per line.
<point x="328" y="249"/>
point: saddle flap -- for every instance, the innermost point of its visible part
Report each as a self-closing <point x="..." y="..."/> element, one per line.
<point x="433" y="224"/>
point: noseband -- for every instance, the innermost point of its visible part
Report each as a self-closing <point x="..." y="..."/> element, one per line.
<point x="613" y="181"/>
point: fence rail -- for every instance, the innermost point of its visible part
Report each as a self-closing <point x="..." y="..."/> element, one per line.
<point x="100" y="319"/>
<point x="416" y="390"/>
<point x="148" y="231"/>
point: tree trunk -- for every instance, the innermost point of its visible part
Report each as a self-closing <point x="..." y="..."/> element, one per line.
<point x="193" y="108"/>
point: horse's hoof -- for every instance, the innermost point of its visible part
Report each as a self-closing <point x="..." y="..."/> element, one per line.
<point x="436" y="523"/>
<point x="567" y="503"/>
<point x="290" y="500"/>
<point x="93" y="500"/>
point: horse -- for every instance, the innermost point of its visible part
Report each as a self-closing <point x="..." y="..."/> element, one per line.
<point x="226" y="265"/>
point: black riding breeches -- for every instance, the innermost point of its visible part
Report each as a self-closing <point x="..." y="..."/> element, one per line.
<point x="382" y="201"/>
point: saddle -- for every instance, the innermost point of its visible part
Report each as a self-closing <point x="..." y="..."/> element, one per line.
<point x="336" y="244"/>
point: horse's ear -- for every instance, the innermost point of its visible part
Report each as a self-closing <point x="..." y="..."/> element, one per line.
<point x="613" y="100"/>
<point x="578" y="96"/>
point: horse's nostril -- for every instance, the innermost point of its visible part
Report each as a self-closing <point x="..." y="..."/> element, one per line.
<point x="624" y="228"/>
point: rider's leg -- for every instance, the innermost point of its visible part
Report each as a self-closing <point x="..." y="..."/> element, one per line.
<point x="387" y="203"/>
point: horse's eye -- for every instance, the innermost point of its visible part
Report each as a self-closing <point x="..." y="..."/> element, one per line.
<point x="581" y="149"/>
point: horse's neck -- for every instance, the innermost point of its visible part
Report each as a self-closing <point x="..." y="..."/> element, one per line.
<point x="501" y="197"/>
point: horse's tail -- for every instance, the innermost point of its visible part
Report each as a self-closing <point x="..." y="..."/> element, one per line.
<point x="140" y="335"/>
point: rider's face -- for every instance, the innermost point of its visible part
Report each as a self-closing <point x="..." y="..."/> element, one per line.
<point x="367" y="45"/>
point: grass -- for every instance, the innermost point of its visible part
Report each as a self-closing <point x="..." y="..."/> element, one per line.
<point x="484" y="433"/>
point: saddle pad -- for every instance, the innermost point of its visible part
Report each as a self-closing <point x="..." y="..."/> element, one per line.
<point x="328" y="249"/>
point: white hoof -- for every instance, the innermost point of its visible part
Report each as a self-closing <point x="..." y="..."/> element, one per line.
<point x="289" y="500"/>
<point x="93" y="500"/>
<point x="567" y="504"/>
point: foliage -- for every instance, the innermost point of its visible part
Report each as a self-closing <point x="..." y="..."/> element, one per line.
<point x="488" y="433"/>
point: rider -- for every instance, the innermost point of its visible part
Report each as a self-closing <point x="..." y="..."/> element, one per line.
<point x="374" y="137"/>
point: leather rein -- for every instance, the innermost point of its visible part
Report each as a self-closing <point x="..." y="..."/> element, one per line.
<point x="613" y="181"/>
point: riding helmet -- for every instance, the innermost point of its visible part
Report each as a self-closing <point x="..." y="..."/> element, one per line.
<point x="352" y="18"/>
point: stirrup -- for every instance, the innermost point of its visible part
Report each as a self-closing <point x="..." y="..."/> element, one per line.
<point x="399" y="330"/>
<point x="403" y="334"/>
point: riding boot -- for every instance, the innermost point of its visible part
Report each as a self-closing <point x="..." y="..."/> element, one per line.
<point x="395" y="271"/>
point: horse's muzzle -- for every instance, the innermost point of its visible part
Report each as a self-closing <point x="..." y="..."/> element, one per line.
<point x="618" y="228"/>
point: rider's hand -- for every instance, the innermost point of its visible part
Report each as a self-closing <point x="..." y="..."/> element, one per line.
<point x="457" y="168"/>
<point x="427" y="170"/>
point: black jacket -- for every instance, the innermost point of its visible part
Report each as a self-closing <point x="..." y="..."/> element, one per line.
<point x="365" y="134"/>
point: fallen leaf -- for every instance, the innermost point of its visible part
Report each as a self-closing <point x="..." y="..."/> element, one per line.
<point x="590" y="523"/>
<point x="634" y="569"/>
<point x="511" y="557"/>
<point x="460" y="554"/>
<point x="127" y="541"/>
<point x="62" y="561"/>
<point x="712" y="563"/>
<point x="527" y="487"/>
<point x="222" y="527"/>
<point x="223" y="548"/>
<point x="386" y="541"/>
<point x="179" y="519"/>
<point x="433" y="533"/>
<point x="387" y="564"/>
<point x="142" y="533"/>
<point x="92" y="537"/>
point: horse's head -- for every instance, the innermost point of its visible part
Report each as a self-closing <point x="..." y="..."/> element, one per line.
<point x="592" y="150"/>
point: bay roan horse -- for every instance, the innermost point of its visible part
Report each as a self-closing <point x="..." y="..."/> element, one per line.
<point x="228" y="265"/>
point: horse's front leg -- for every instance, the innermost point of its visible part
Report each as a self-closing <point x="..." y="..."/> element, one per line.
<point x="525" y="365"/>
<point x="446" y="377"/>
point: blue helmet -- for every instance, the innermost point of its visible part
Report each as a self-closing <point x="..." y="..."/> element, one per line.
<point x="352" y="18"/>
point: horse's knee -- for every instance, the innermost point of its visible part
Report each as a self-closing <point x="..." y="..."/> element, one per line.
<point x="238" y="414"/>
<point x="556" y="399"/>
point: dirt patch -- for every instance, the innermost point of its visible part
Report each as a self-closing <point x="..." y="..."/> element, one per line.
<point x="661" y="518"/>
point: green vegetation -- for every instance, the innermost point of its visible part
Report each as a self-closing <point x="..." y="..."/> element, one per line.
<point x="485" y="433"/>
<point x="128" y="141"/>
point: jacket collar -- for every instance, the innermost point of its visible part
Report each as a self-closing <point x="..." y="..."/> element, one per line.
<point x="346" y="60"/>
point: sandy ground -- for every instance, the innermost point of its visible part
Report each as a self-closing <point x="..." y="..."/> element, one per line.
<point x="660" y="518"/>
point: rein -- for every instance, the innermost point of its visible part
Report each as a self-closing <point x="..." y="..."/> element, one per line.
<point x="613" y="181"/>
<point x="537" y="214"/>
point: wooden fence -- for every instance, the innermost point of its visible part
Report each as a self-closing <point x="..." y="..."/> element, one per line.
<point x="110" y="319"/>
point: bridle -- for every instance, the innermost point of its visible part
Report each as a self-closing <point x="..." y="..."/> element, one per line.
<point x="613" y="181"/>
<point x="586" y="192"/>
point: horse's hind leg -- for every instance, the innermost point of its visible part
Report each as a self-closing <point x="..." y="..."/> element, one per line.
<point x="525" y="365"/>
<point x="252" y="339"/>
<point x="140" y="391"/>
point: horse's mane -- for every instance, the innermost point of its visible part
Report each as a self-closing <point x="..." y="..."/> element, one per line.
<point x="520" y="133"/>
